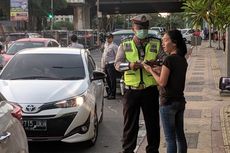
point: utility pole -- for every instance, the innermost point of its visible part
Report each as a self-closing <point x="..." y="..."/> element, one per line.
<point x="52" y="12"/>
<point x="98" y="23"/>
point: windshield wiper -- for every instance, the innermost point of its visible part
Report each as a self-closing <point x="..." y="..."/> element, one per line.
<point x="36" y="77"/>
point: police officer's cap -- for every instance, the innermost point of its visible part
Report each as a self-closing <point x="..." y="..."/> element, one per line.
<point x="142" y="20"/>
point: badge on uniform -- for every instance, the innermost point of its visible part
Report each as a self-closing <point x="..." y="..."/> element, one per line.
<point x="153" y="48"/>
<point x="127" y="47"/>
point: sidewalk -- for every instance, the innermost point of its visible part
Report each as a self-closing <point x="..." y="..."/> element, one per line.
<point x="207" y="115"/>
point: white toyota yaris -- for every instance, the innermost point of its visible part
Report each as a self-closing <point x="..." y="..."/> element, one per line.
<point x="60" y="92"/>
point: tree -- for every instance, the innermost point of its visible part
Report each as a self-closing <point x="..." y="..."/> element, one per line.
<point x="222" y="16"/>
<point x="216" y="12"/>
<point x="39" y="10"/>
<point x="199" y="10"/>
<point x="63" y="24"/>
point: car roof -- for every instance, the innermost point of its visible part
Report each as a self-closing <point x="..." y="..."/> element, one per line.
<point x="35" y="39"/>
<point x="52" y="50"/>
<point x="128" y="31"/>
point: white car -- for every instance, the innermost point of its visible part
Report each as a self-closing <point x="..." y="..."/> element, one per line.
<point x="60" y="92"/>
<point x="12" y="135"/>
<point x="159" y="29"/>
<point x="187" y="34"/>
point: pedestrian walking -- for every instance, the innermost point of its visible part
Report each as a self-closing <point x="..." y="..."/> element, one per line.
<point x="74" y="42"/>
<point x="107" y="64"/>
<point x="141" y="88"/>
<point x="171" y="80"/>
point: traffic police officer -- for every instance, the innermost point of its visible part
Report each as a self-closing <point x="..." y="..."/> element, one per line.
<point x="107" y="64"/>
<point x="141" y="88"/>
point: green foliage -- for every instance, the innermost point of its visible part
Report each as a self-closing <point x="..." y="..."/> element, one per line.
<point x="63" y="25"/>
<point x="215" y="12"/>
<point x="41" y="8"/>
<point x="196" y="11"/>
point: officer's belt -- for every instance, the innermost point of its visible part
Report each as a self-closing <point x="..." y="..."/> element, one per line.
<point x="111" y="62"/>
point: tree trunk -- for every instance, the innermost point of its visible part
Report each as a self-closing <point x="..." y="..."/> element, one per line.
<point x="219" y="48"/>
<point x="209" y="39"/>
<point x="227" y="49"/>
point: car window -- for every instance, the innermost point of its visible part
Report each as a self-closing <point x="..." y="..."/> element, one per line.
<point x="17" y="46"/>
<point x="40" y="66"/>
<point x="119" y="37"/>
<point x="54" y="44"/>
<point x="50" y="44"/>
<point x="91" y="65"/>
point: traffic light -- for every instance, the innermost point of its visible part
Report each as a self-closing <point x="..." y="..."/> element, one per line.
<point x="50" y="16"/>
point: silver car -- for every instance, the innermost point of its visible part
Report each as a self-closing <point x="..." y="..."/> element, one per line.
<point x="12" y="135"/>
<point x="60" y="92"/>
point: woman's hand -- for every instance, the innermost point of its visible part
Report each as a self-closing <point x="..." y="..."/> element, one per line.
<point x="157" y="69"/>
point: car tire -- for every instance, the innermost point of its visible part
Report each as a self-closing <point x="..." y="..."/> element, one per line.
<point x="93" y="140"/>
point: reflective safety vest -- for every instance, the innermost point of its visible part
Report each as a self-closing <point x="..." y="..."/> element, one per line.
<point x="133" y="78"/>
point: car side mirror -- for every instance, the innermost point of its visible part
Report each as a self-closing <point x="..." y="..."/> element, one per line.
<point x="97" y="75"/>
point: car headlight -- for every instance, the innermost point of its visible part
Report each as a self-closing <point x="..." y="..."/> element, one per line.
<point x="73" y="102"/>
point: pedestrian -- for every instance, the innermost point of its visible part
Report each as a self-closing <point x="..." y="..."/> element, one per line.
<point x="224" y="40"/>
<point x="1" y="47"/>
<point x="206" y="33"/>
<point x="74" y="42"/>
<point x="141" y="88"/>
<point x="107" y="64"/>
<point x="171" y="80"/>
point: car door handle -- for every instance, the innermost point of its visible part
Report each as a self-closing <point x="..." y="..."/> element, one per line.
<point x="4" y="136"/>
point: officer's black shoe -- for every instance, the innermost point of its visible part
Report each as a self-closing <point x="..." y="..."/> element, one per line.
<point x="111" y="97"/>
<point x="106" y="96"/>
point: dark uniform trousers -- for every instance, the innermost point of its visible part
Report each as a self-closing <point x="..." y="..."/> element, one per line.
<point x="111" y="79"/>
<point x="148" y="100"/>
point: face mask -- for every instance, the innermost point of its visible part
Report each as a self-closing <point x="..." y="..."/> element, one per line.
<point x="142" y="34"/>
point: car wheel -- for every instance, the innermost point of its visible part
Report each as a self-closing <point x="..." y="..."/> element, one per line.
<point x="92" y="141"/>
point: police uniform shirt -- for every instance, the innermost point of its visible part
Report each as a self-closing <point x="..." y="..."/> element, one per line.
<point x="109" y="54"/>
<point x="76" y="45"/>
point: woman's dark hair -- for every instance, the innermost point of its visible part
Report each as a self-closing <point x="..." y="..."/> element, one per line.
<point x="176" y="37"/>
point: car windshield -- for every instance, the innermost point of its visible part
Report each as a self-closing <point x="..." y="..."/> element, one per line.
<point x="183" y="31"/>
<point x="17" y="46"/>
<point x="117" y="38"/>
<point x="44" y="67"/>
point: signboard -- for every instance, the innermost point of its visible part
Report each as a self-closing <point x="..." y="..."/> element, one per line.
<point x="76" y="1"/>
<point x="19" y="10"/>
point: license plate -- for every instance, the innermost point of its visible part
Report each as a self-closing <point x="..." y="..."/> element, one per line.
<point x="35" y="125"/>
